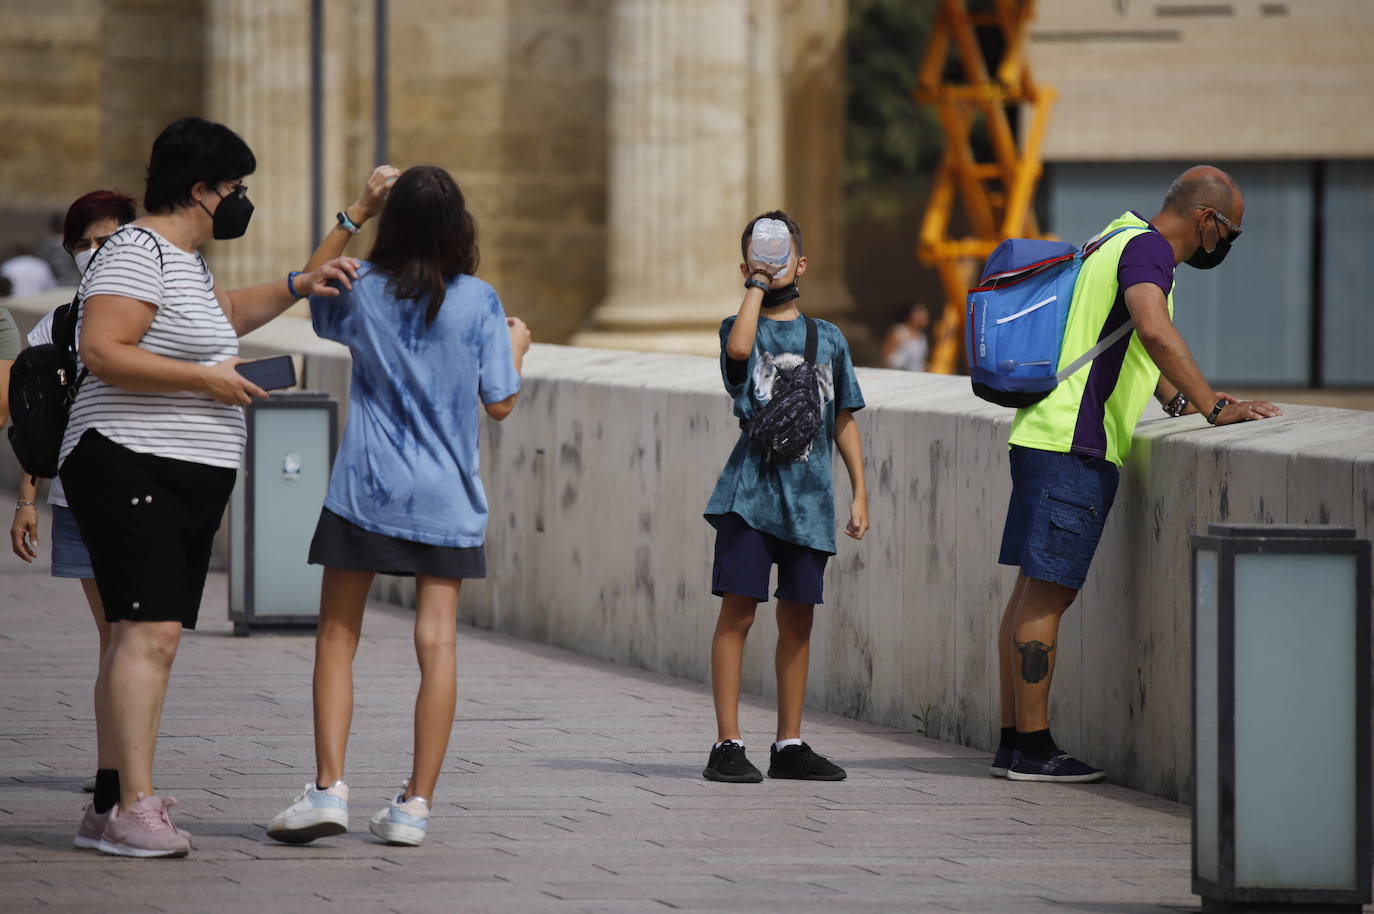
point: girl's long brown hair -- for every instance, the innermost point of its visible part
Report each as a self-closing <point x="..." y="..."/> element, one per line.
<point x="426" y="237"/>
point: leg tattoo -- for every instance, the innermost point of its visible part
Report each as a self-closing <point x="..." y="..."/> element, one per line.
<point x="1035" y="660"/>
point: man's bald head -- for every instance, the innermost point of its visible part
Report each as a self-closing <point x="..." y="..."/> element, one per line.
<point x="1205" y="185"/>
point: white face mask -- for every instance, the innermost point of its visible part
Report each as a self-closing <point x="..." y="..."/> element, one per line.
<point x="83" y="259"/>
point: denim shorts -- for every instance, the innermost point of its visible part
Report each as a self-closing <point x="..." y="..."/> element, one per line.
<point x="69" y="556"/>
<point x="745" y="558"/>
<point x="1059" y="505"/>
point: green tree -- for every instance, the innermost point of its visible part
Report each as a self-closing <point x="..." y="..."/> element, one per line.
<point x="888" y="136"/>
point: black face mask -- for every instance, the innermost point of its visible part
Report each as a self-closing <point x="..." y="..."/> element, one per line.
<point x="1205" y="260"/>
<point x="774" y="297"/>
<point x="230" y="218"/>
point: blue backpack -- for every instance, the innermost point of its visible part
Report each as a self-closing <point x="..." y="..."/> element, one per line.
<point x="1016" y="319"/>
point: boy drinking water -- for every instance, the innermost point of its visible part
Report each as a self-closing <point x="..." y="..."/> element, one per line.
<point x="794" y="391"/>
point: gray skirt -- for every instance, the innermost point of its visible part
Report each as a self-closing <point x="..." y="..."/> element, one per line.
<point x="339" y="543"/>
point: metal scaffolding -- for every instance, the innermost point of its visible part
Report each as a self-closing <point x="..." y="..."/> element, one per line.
<point x="990" y="84"/>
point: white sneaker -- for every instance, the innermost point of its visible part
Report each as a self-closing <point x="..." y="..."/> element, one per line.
<point x="315" y="814"/>
<point x="403" y="822"/>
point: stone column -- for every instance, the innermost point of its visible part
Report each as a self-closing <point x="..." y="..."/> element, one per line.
<point x="812" y="73"/>
<point x="718" y="110"/>
<point x="259" y="86"/>
<point x="678" y="182"/>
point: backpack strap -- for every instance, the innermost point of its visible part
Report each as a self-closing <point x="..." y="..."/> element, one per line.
<point x="812" y="341"/>
<point x="1115" y="336"/>
<point x="1095" y="243"/>
<point x="157" y="245"/>
<point x="64" y="324"/>
<point x="1102" y="346"/>
<point x="65" y="320"/>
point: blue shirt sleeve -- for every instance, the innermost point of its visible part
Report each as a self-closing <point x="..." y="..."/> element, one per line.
<point x="497" y="378"/>
<point x="329" y="315"/>
<point x="1146" y="258"/>
<point x="847" y="393"/>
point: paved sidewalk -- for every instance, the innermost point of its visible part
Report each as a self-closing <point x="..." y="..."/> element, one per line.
<point x="572" y="785"/>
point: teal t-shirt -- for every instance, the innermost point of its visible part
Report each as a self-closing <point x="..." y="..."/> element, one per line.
<point x="793" y="501"/>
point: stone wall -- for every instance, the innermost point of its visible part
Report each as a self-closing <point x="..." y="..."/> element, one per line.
<point x="87" y="83"/>
<point x="597" y="544"/>
<point x="510" y="96"/>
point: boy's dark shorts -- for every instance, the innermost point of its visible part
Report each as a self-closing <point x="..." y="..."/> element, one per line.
<point x="149" y="523"/>
<point x="1059" y="505"/>
<point x="745" y="558"/>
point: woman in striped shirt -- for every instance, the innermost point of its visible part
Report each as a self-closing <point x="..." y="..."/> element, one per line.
<point x="156" y="433"/>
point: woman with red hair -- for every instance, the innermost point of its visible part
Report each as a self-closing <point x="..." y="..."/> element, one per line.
<point x="90" y="220"/>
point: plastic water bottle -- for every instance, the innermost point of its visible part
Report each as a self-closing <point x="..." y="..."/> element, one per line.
<point x="771" y="243"/>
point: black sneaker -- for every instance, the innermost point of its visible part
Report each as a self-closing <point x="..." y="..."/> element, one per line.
<point x="1001" y="762"/>
<point x="728" y="763"/>
<point x="799" y="763"/>
<point x="1060" y="767"/>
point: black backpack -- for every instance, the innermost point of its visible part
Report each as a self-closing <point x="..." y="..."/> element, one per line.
<point x="44" y="381"/>
<point x="787" y="424"/>
<point x="43" y="384"/>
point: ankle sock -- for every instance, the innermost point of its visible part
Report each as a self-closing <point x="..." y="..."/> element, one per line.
<point x="739" y="743"/>
<point x="106" y="790"/>
<point x="784" y="743"/>
<point x="1037" y="743"/>
<point x="1008" y="740"/>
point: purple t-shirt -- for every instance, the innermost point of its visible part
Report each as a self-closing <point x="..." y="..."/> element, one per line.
<point x="1146" y="258"/>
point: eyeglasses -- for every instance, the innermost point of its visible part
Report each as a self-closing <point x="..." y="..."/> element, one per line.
<point x="1235" y="229"/>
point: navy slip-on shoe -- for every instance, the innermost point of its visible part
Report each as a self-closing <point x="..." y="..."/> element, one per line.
<point x="1001" y="761"/>
<point x="1060" y="767"/>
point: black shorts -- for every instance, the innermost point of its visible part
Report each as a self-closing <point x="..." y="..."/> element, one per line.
<point x="149" y="523"/>
<point x="340" y="543"/>
<point x="745" y="558"/>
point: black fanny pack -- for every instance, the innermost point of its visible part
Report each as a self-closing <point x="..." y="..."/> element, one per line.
<point x="787" y="424"/>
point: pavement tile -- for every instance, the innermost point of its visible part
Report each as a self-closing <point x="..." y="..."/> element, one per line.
<point x="571" y="785"/>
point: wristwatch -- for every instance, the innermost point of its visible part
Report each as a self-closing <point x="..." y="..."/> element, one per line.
<point x="347" y="224"/>
<point x="1175" y="407"/>
<point x="752" y="283"/>
<point x="1216" y="411"/>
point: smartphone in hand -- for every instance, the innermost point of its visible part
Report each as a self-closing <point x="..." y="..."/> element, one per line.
<point x="274" y="373"/>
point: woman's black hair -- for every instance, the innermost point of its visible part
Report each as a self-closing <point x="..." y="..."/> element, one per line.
<point x="191" y="150"/>
<point x="426" y="237"/>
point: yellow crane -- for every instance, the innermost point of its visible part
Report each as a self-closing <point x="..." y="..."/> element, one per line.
<point x="996" y="194"/>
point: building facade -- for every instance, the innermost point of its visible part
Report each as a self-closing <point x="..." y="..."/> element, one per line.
<point x="611" y="150"/>
<point x="1277" y="93"/>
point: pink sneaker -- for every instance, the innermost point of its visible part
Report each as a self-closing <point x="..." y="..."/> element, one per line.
<point x="142" y="830"/>
<point x="168" y="804"/>
<point x="92" y="827"/>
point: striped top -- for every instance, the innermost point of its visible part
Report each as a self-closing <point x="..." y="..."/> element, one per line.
<point x="190" y="326"/>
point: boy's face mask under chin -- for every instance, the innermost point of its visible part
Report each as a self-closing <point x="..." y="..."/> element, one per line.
<point x="781" y="296"/>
